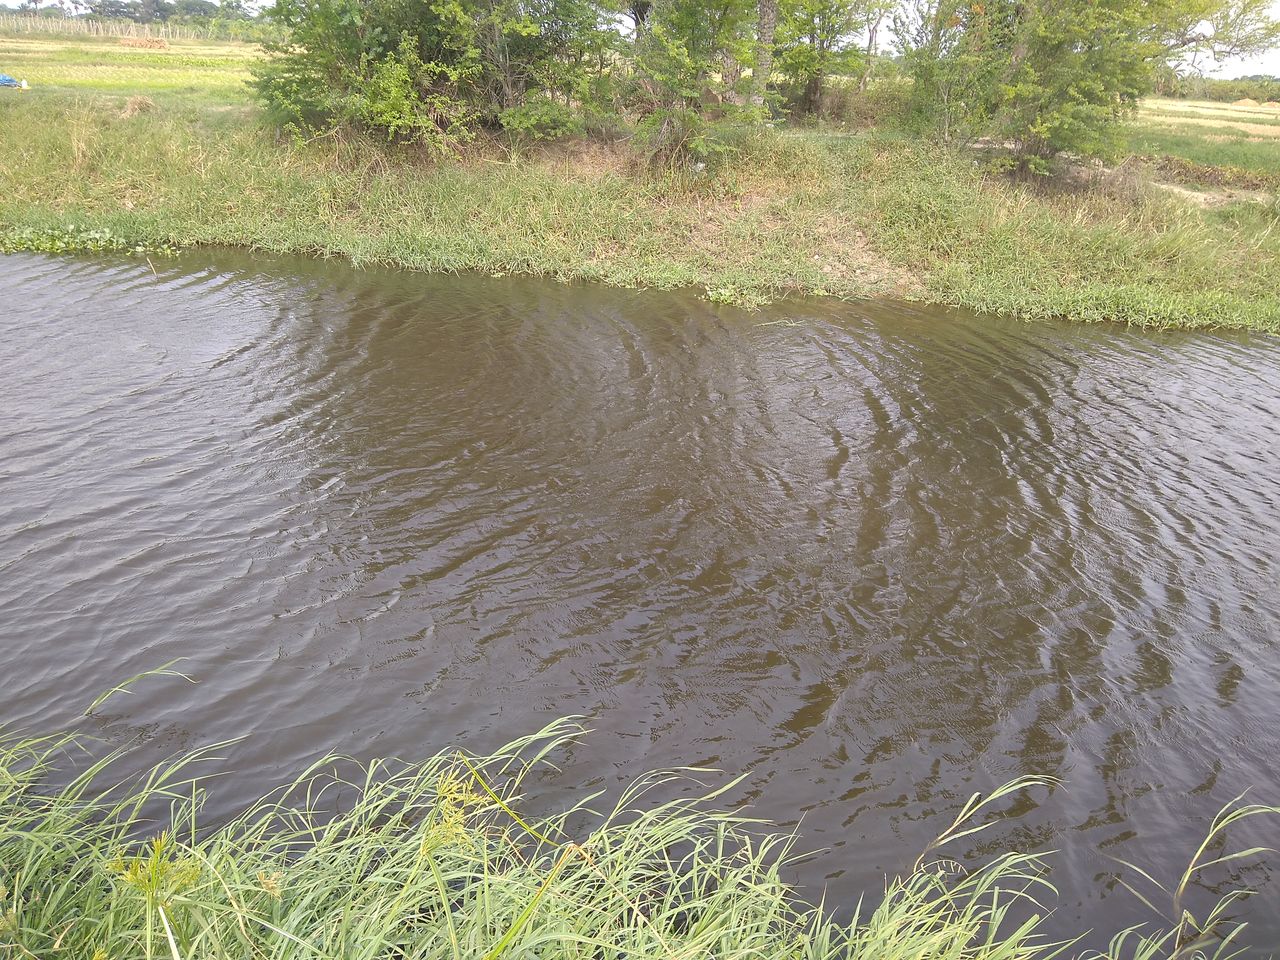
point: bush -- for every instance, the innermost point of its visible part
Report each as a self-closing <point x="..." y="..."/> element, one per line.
<point x="430" y="71"/>
<point x="540" y="118"/>
<point x="883" y="102"/>
<point x="682" y="137"/>
<point x="410" y="101"/>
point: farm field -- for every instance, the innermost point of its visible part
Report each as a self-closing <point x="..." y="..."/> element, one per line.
<point x="1240" y="139"/>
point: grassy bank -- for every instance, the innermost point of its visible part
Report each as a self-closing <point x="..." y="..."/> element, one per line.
<point x="433" y="860"/>
<point x="164" y="147"/>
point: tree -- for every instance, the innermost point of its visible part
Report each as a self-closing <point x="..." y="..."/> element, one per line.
<point x="951" y="50"/>
<point x="151" y="11"/>
<point x="877" y="11"/>
<point x="1191" y="31"/>
<point x="817" y="38"/>
<point x="430" y="71"/>
<point x="195" y="9"/>
<point x="1048" y="76"/>
<point x="682" y="54"/>
<point x="766" y="27"/>
<point x="113" y="10"/>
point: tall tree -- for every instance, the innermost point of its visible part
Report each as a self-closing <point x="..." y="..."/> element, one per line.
<point x="879" y="10"/>
<point x="766" y="28"/>
<point x="817" y="38"/>
<point x="1050" y="76"/>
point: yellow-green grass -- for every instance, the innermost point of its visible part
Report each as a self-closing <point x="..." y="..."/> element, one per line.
<point x="1210" y="108"/>
<point x="842" y="215"/>
<point x="435" y="861"/>
<point x="212" y="72"/>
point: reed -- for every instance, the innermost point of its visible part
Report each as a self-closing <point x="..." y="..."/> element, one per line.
<point x="433" y="860"/>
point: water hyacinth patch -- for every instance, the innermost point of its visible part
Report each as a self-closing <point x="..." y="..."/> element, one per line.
<point x="75" y="239"/>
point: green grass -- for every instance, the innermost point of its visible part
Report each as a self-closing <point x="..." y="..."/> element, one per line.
<point x="434" y="860"/>
<point x="1089" y="253"/>
<point x="859" y="215"/>
<point x="1228" y="148"/>
<point x="1172" y="110"/>
<point x="214" y="74"/>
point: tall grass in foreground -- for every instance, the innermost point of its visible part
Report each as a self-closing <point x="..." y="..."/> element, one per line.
<point x="433" y="860"/>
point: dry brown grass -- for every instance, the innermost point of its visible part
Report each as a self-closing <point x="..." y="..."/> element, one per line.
<point x="1270" y="131"/>
<point x="145" y="43"/>
<point x="136" y="105"/>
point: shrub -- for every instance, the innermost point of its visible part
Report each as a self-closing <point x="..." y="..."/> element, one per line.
<point x="881" y="103"/>
<point x="430" y="71"/>
<point x="413" y="101"/>
<point x="683" y="137"/>
<point x="540" y="118"/>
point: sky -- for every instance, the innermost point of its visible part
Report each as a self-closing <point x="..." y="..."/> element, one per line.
<point x="1268" y="62"/>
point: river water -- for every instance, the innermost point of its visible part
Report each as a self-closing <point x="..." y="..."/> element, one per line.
<point x="877" y="557"/>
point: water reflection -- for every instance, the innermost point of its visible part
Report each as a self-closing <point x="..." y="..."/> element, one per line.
<point x="879" y="557"/>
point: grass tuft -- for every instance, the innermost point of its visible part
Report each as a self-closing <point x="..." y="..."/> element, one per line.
<point x="432" y="860"/>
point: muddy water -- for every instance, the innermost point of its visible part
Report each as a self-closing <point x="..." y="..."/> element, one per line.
<point x="878" y="557"/>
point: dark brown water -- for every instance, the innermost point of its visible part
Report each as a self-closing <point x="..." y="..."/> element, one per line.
<point x="878" y="556"/>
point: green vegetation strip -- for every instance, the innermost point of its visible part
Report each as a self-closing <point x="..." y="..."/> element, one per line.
<point x="432" y="860"/>
<point x="177" y="159"/>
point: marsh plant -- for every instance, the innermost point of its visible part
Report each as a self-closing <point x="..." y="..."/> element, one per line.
<point x="433" y="859"/>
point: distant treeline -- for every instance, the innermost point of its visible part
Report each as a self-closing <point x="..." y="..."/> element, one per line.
<point x="128" y="23"/>
<point x="1261" y="88"/>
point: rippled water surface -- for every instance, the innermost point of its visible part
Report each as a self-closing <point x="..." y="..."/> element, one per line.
<point x="879" y="557"/>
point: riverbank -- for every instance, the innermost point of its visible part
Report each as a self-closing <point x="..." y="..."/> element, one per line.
<point x="434" y="860"/>
<point x="164" y="148"/>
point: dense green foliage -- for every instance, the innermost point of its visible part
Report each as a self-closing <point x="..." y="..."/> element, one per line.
<point x="433" y="71"/>
<point x="437" y="72"/>
<point x="1048" y="76"/>
<point x="1264" y="89"/>
<point x="1043" y="76"/>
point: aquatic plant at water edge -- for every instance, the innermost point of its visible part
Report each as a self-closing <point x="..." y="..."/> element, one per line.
<point x="74" y="239"/>
<point x="433" y="859"/>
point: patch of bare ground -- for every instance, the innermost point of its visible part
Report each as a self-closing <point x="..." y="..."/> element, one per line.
<point x="848" y="258"/>
<point x="1199" y="198"/>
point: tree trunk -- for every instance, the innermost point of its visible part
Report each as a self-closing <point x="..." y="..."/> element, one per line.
<point x="871" y="52"/>
<point x="768" y="25"/>
<point x="812" y="97"/>
<point x="639" y="12"/>
<point x="730" y="74"/>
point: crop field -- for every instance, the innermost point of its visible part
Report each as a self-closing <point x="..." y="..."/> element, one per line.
<point x="1206" y="134"/>
<point x="201" y="71"/>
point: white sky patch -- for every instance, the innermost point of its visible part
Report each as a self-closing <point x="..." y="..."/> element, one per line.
<point x="1265" y="63"/>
